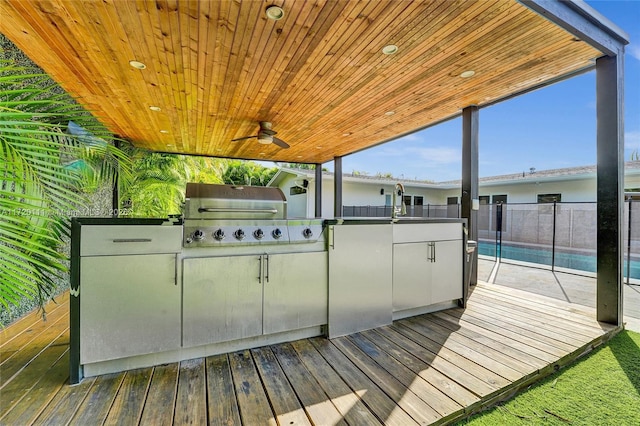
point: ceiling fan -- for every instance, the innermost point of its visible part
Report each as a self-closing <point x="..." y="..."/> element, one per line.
<point x="265" y="136"/>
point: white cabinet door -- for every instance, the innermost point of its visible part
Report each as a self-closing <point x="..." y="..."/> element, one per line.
<point x="295" y="291"/>
<point x="411" y="275"/>
<point x="360" y="288"/>
<point x="446" y="277"/>
<point x="129" y="305"/>
<point x="222" y="299"/>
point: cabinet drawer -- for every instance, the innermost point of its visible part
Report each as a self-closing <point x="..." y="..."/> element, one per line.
<point x="98" y="240"/>
<point x="417" y="232"/>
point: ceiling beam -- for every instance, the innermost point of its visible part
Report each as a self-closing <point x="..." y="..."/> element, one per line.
<point x="582" y="21"/>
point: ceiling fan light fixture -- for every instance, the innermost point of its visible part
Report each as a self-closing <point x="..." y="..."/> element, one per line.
<point x="137" y="65"/>
<point x="275" y="13"/>
<point x="390" y="49"/>
<point x="265" y="140"/>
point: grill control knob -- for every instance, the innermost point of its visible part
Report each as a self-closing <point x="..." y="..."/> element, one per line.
<point x="258" y="234"/>
<point x="239" y="234"/>
<point x="276" y="233"/>
<point x="218" y="234"/>
<point x="198" y="235"/>
<point x="307" y="233"/>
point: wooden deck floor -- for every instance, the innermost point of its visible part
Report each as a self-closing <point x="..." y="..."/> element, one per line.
<point x="429" y="369"/>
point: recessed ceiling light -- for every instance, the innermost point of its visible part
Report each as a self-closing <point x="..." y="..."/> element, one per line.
<point x="390" y="49"/>
<point x="346" y="134"/>
<point x="318" y="147"/>
<point x="170" y="145"/>
<point x="389" y="113"/>
<point x="298" y="156"/>
<point x="137" y="65"/>
<point x="274" y="13"/>
<point x="155" y="108"/>
<point x="164" y="131"/>
<point x="467" y="74"/>
<point x="262" y="153"/>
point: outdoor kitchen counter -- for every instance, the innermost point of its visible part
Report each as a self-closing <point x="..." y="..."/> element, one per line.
<point x="382" y="269"/>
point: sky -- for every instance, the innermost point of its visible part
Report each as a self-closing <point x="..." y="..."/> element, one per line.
<point x="554" y="127"/>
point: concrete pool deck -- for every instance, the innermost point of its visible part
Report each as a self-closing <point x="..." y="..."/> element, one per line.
<point x="575" y="287"/>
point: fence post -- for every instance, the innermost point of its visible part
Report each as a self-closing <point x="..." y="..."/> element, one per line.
<point x="630" y="201"/>
<point x="499" y="231"/>
<point x="553" y="240"/>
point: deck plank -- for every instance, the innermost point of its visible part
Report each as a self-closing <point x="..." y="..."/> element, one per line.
<point x="95" y="407"/>
<point x="419" y="410"/>
<point x="444" y="384"/>
<point x="569" y="332"/>
<point x="411" y="341"/>
<point x="378" y="401"/>
<point x="283" y="399"/>
<point x="435" y="367"/>
<point x="441" y="403"/>
<point x="539" y="349"/>
<point x="65" y="403"/>
<point x="33" y="319"/>
<point x="252" y="399"/>
<point x="29" y="408"/>
<point x="191" y="399"/>
<point x="129" y="402"/>
<point x="495" y="341"/>
<point x="346" y="401"/>
<point x="161" y="396"/>
<point x="223" y="405"/>
<point x="17" y="387"/>
<point x="58" y="332"/>
<point x="318" y="406"/>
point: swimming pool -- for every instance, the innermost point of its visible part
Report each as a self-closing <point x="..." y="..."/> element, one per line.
<point x="581" y="262"/>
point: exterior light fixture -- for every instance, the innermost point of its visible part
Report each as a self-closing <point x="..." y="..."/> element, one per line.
<point x="390" y="49"/>
<point x="467" y="74"/>
<point x="137" y="65"/>
<point x="275" y="13"/>
<point x="155" y="108"/>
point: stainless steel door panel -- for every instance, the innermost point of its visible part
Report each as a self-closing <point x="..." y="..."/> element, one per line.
<point x="296" y="292"/>
<point x="411" y="275"/>
<point x="130" y="305"/>
<point x="360" y="278"/>
<point x="222" y="299"/>
<point x="446" y="279"/>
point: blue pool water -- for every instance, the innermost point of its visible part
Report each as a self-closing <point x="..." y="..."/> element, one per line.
<point x="577" y="261"/>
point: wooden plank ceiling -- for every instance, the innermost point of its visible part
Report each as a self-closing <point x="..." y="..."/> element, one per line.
<point x="216" y="68"/>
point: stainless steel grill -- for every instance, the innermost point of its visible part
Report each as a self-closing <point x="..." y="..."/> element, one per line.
<point x="225" y="215"/>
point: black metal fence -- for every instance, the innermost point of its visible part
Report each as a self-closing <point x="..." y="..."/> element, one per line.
<point x="560" y="235"/>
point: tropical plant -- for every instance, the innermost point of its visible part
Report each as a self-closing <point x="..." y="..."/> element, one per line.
<point x="240" y="172"/>
<point x="40" y="181"/>
<point x="159" y="179"/>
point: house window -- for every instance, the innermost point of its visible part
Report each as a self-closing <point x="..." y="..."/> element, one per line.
<point x="549" y="198"/>
<point x="406" y="199"/>
<point x="484" y="200"/>
<point x="418" y="200"/>
<point x="499" y="199"/>
<point x="452" y="200"/>
<point x="387" y="199"/>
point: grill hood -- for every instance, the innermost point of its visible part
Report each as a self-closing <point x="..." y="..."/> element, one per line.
<point x="211" y="201"/>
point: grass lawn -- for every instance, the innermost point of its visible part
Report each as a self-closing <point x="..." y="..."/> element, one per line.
<point x="601" y="389"/>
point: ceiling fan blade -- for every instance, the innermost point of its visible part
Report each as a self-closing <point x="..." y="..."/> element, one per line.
<point x="280" y="143"/>
<point x="243" y="138"/>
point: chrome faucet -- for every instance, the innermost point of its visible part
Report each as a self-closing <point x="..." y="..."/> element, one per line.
<point x="398" y="191"/>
